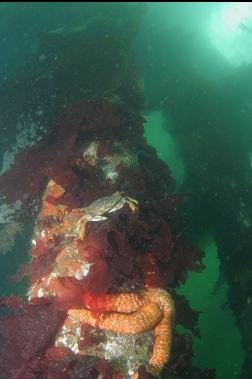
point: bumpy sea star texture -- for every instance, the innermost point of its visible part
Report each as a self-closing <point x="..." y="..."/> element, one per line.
<point x="140" y="321"/>
<point x="107" y="253"/>
<point x="157" y="313"/>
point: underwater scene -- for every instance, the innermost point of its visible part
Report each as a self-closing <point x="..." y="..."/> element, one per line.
<point x="126" y="190"/>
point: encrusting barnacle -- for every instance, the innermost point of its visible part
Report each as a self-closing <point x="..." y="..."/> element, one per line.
<point x="8" y="236"/>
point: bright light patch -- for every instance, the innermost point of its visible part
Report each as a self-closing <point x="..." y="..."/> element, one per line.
<point x="231" y="31"/>
<point x="233" y="15"/>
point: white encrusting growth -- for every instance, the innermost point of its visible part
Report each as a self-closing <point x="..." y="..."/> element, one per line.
<point x="29" y="132"/>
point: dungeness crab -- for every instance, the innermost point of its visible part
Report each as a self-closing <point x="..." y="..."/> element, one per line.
<point x="97" y="210"/>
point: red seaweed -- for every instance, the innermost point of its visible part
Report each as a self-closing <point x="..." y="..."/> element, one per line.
<point x="25" y="336"/>
<point x="129" y="250"/>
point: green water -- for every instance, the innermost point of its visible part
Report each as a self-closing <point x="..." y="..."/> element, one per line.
<point x="220" y="343"/>
<point x="158" y="137"/>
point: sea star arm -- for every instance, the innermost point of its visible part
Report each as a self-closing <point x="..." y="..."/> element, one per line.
<point x="122" y="303"/>
<point x="144" y="319"/>
<point x="162" y="345"/>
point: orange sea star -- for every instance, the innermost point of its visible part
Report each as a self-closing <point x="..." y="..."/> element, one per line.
<point x="140" y="321"/>
<point x="122" y="302"/>
<point x="132" y="314"/>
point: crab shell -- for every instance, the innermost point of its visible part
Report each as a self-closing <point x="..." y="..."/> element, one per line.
<point x="96" y="210"/>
